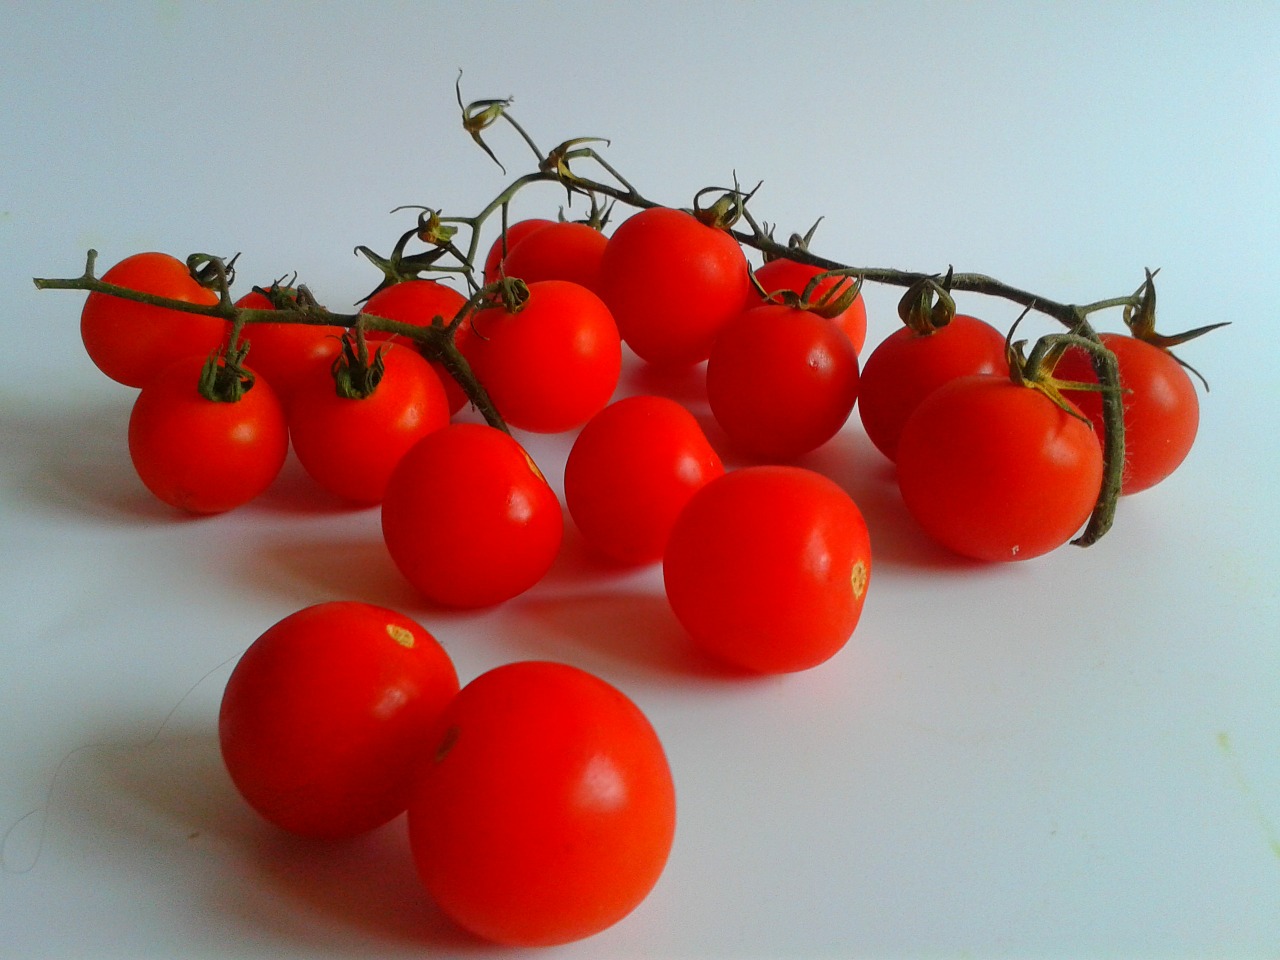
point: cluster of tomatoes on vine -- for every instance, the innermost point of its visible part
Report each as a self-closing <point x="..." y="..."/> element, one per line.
<point x="541" y="808"/>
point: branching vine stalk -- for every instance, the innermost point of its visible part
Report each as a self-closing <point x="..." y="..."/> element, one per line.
<point x="446" y="252"/>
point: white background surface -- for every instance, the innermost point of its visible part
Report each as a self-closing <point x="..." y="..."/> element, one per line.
<point x="1077" y="756"/>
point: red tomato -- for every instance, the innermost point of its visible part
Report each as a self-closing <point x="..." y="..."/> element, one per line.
<point x="282" y="352"/>
<point x="1161" y="409"/>
<point x="907" y="366"/>
<point x="560" y="251"/>
<point x="672" y="283"/>
<point x="201" y="455"/>
<point x="553" y="364"/>
<point x="469" y="518"/>
<point x="784" y="274"/>
<point x="515" y="233"/>
<point x="767" y="568"/>
<point x="326" y="715"/>
<point x="781" y="381"/>
<point x="351" y="445"/>
<point x="547" y="811"/>
<point x="997" y="471"/>
<point x="131" y="342"/>
<point x="419" y="302"/>
<point x="631" y="471"/>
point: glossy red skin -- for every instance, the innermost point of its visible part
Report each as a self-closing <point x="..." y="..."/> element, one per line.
<point x="553" y="364"/>
<point x="547" y="811"/>
<point x="767" y="568"/>
<point x="906" y="367"/>
<point x="419" y="302"/>
<point x="672" y="283"/>
<point x="781" y="381"/>
<point x="469" y="519"/>
<point x="132" y="342"/>
<point x="560" y="251"/>
<point x="997" y="471"/>
<point x="350" y="446"/>
<point x="630" y="472"/>
<point x="204" y="456"/>
<point x="327" y="714"/>
<point x="281" y="353"/>
<point x="784" y="274"/>
<point x="1161" y="409"/>
<point x="515" y="233"/>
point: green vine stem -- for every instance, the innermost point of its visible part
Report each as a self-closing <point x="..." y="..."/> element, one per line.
<point x="435" y="340"/>
<point x="446" y="253"/>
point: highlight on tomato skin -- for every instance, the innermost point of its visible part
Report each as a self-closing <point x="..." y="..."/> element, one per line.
<point x="767" y="568"/>
<point x="469" y="519"/>
<point x="631" y="470"/>
<point x="546" y="811"/>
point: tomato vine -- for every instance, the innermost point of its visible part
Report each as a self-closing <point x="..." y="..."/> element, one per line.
<point x="451" y="245"/>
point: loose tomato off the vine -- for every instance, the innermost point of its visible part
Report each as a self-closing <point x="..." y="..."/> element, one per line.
<point x="204" y="455"/>
<point x="995" y="470"/>
<point x="767" y="567"/>
<point x="469" y="519"/>
<point x="545" y="810"/>
<point x="630" y="472"/>
<point x="326" y="715"/>
<point x="131" y="342"/>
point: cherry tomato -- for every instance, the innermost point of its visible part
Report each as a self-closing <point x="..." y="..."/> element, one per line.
<point x="997" y="471"/>
<point x="515" y="233"/>
<point x="350" y="445"/>
<point x="907" y="366"/>
<point x="546" y="812"/>
<point x="1161" y="409"/>
<point x="469" y="518"/>
<point x="326" y="715"/>
<point x="784" y="274"/>
<point x="131" y="342"/>
<point x="560" y="251"/>
<point x="630" y="472"/>
<point x="767" y="568"/>
<point x="781" y="381"/>
<point x="419" y="302"/>
<point x="282" y="352"/>
<point x="200" y="455"/>
<point x="552" y="364"/>
<point x="672" y="283"/>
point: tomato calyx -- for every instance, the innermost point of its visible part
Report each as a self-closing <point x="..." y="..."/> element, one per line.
<point x="928" y="306"/>
<point x="356" y="375"/>
<point x="213" y="273"/>
<point x="832" y="302"/>
<point x="726" y="210"/>
<point x="1140" y="318"/>
<point x="223" y="378"/>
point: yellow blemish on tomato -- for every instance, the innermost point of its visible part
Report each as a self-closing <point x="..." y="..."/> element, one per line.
<point x="533" y="466"/>
<point x="859" y="579"/>
<point x="400" y="635"/>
